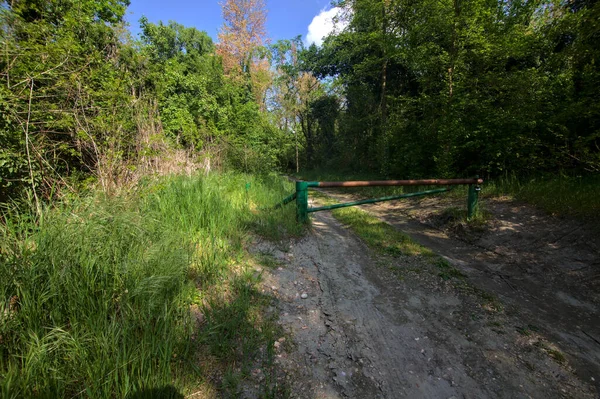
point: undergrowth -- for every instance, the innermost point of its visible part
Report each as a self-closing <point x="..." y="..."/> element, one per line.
<point x="560" y="195"/>
<point x="96" y="295"/>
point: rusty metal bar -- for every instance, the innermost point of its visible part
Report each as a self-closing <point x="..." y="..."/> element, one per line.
<point x="382" y="183"/>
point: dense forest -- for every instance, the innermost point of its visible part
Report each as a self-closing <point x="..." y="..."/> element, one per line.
<point x="457" y="87"/>
<point x="406" y="89"/>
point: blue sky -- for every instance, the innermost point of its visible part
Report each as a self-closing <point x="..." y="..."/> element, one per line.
<point x="285" y="19"/>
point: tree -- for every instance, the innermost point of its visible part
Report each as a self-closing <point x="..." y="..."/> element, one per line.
<point x="300" y="102"/>
<point x="284" y="103"/>
<point x="241" y="45"/>
<point x="243" y="31"/>
<point x="187" y="81"/>
<point x="309" y="90"/>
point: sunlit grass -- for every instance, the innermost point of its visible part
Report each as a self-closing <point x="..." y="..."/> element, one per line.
<point x="95" y="295"/>
<point x="379" y="235"/>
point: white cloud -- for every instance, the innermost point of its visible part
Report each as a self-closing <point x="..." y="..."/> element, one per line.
<point x="323" y="24"/>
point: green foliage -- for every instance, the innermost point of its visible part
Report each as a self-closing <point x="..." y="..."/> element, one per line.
<point x="99" y="102"/>
<point x="187" y="80"/>
<point x="447" y="271"/>
<point x="65" y="96"/>
<point x="93" y="302"/>
<point x="201" y="107"/>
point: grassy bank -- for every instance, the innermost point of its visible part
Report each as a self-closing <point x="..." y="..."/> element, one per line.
<point x="566" y="196"/>
<point x="577" y="197"/>
<point x="101" y="297"/>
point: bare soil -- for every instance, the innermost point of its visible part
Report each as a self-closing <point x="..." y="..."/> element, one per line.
<point x="372" y="326"/>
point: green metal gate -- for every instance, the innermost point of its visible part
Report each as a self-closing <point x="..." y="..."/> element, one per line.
<point x="302" y="187"/>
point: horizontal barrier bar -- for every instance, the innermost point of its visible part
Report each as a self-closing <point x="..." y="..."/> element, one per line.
<point x="382" y="183"/>
<point x="371" y="201"/>
<point x="286" y="200"/>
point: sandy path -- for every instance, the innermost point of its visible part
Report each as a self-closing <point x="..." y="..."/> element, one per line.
<point x="392" y="328"/>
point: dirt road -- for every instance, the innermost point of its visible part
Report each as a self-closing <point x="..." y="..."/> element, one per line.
<point x="545" y="269"/>
<point x="362" y="326"/>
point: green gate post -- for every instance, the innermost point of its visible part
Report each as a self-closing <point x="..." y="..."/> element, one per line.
<point x="302" y="201"/>
<point x="472" y="200"/>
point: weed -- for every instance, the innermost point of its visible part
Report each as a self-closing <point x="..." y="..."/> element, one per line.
<point x="528" y="330"/>
<point x="551" y="350"/>
<point x="447" y="271"/>
<point x="231" y="384"/>
<point x="268" y="260"/>
<point x="388" y="263"/>
<point x="557" y="355"/>
<point x="454" y="217"/>
<point x="489" y="302"/>
<point x="240" y="333"/>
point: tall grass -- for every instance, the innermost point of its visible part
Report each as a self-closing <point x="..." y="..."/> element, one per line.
<point x="95" y="295"/>
<point x="576" y="196"/>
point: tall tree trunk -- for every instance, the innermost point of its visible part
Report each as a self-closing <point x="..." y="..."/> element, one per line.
<point x="446" y="138"/>
<point x="309" y="142"/>
<point x="384" y="142"/>
<point x="304" y="123"/>
<point x="454" y="48"/>
<point x="297" y="162"/>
